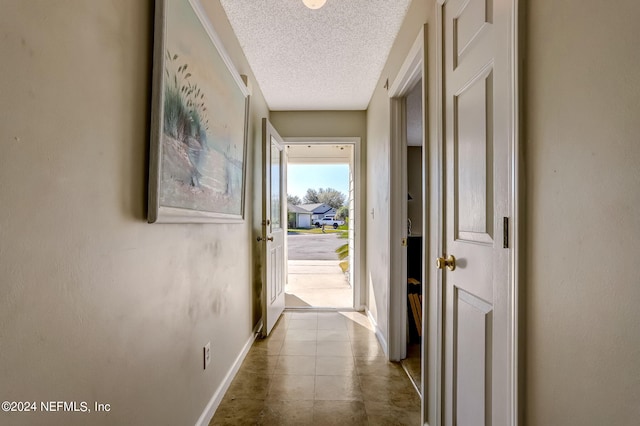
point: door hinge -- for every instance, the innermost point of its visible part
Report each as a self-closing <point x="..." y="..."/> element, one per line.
<point x="505" y="232"/>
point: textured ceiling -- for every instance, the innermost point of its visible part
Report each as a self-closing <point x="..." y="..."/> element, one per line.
<point x="325" y="59"/>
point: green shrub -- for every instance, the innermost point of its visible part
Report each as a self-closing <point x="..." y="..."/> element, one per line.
<point x="343" y="252"/>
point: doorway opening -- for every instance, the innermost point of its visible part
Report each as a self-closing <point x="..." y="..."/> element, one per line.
<point x="409" y="236"/>
<point x="413" y="145"/>
<point x="321" y="242"/>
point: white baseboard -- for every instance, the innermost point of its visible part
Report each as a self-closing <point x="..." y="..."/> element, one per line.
<point x="379" y="335"/>
<point x="213" y="404"/>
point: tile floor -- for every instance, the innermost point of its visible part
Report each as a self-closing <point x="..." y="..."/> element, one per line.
<point x="319" y="368"/>
<point x="411" y="364"/>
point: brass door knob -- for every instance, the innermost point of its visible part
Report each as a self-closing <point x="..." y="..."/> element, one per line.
<point x="260" y="239"/>
<point x="449" y="262"/>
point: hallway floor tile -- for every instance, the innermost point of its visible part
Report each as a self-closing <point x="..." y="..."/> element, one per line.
<point x="319" y="368"/>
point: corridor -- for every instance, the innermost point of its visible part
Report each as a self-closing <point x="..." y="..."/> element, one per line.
<point x="319" y="368"/>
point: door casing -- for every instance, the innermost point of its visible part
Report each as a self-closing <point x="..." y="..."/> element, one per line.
<point x="412" y="70"/>
<point x="410" y="73"/>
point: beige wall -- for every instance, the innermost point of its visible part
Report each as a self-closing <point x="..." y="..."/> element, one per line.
<point x="415" y="135"/>
<point x="378" y="169"/>
<point x="96" y="304"/>
<point x="414" y="181"/>
<point x="320" y="123"/>
<point x="258" y="110"/>
<point x="583" y="206"/>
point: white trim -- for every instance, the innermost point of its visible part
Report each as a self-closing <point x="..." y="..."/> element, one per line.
<point x="517" y="200"/>
<point x="378" y="333"/>
<point x="359" y="291"/>
<point x="215" y="400"/>
<point x="411" y="71"/>
<point x="397" y="305"/>
<point x="321" y="140"/>
<point x="436" y="304"/>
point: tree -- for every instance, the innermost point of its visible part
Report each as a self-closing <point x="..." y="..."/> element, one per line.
<point x="342" y="213"/>
<point x="311" y="197"/>
<point x="329" y="196"/>
<point x="293" y="199"/>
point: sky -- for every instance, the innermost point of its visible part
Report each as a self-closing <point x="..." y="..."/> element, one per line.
<point x="301" y="177"/>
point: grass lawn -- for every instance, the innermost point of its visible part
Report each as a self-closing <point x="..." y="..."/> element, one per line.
<point x="327" y="230"/>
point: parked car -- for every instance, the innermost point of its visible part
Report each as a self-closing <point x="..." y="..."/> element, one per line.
<point x="329" y="220"/>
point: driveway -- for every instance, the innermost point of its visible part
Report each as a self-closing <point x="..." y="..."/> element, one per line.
<point x="314" y="246"/>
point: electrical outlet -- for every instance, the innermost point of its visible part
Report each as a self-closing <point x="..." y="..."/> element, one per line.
<point x="206" y="352"/>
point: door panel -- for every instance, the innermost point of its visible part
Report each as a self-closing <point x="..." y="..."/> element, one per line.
<point x="470" y="21"/>
<point x="468" y="25"/>
<point x="473" y="145"/>
<point x="476" y="90"/>
<point x="273" y="226"/>
<point x="472" y="334"/>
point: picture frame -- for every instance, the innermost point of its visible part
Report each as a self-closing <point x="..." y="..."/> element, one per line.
<point x="199" y="121"/>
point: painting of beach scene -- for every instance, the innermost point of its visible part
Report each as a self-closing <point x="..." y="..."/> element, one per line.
<point x="200" y="138"/>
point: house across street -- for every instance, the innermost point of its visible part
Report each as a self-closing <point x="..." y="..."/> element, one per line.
<point x="306" y="215"/>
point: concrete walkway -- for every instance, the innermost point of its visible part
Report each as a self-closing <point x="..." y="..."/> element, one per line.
<point x="318" y="284"/>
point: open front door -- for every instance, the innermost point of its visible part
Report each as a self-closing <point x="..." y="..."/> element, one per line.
<point x="274" y="224"/>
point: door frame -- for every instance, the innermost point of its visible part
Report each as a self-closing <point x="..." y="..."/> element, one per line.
<point x="359" y="291"/>
<point x="410" y="73"/>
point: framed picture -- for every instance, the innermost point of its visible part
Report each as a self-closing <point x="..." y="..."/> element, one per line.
<point x="199" y="121"/>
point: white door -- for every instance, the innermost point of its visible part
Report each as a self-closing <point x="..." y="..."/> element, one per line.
<point x="274" y="226"/>
<point x="478" y="104"/>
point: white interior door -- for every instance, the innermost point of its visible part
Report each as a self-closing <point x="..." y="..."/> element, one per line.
<point x="274" y="226"/>
<point x="478" y="101"/>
